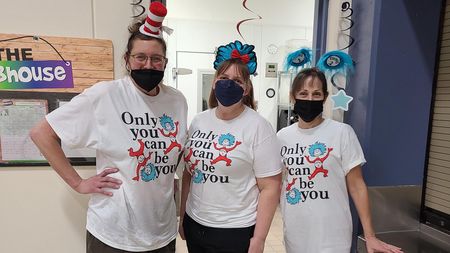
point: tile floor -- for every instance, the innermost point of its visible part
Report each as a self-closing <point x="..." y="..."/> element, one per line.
<point x="274" y="240"/>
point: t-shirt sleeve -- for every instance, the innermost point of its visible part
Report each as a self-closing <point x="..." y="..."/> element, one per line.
<point x="266" y="153"/>
<point x="352" y="153"/>
<point x="75" y="123"/>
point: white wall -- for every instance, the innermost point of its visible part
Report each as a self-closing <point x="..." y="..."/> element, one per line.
<point x="213" y="22"/>
<point x="281" y="12"/>
<point x="47" y="17"/>
<point x="38" y="212"/>
<point x="201" y="26"/>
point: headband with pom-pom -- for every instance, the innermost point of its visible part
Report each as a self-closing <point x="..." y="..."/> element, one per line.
<point x="336" y="62"/>
<point x="298" y="59"/>
<point x="237" y="50"/>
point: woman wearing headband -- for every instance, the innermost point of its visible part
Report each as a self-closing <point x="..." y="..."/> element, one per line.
<point x="323" y="160"/>
<point x="231" y="182"/>
<point x="136" y="125"/>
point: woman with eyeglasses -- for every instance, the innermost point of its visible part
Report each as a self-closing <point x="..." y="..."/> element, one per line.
<point x="231" y="184"/>
<point x="137" y="126"/>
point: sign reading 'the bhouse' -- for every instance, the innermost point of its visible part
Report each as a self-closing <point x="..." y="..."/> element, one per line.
<point x="35" y="74"/>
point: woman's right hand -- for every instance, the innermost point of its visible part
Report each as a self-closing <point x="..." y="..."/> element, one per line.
<point x="99" y="183"/>
<point x="180" y="229"/>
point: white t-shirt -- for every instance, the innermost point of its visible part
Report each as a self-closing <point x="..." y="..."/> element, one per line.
<point x="225" y="157"/>
<point x="314" y="199"/>
<point x="142" y="136"/>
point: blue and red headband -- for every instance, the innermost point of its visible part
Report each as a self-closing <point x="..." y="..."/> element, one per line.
<point x="236" y="50"/>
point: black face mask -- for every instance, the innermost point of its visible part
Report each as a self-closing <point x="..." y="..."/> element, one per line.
<point x="308" y="110"/>
<point x="228" y="92"/>
<point x="147" y="79"/>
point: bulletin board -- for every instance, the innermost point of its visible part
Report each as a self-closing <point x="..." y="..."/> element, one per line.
<point x="92" y="59"/>
<point x="92" y="62"/>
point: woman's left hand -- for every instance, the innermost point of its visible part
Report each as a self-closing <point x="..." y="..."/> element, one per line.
<point x="373" y="245"/>
<point x="256" y="245"/>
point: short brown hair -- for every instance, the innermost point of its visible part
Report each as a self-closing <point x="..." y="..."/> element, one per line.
<point x="299" y="80"/>
<point x="248" y="100"/>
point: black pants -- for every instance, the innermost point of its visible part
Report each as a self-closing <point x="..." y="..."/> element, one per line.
<point x="94" y="245"/>
<point x="202" y="239"/>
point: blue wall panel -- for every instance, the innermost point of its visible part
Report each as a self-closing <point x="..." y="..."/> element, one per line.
<point x="395" y="54"/>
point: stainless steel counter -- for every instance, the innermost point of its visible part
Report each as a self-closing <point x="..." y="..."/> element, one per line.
<point x="425" y="240"/>
<point x="395" y="216"/>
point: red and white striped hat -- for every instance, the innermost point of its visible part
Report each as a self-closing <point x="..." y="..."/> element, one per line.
<point x="153" y="22"/>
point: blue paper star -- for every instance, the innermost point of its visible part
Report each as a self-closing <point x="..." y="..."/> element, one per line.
<point x="341" y="100"/>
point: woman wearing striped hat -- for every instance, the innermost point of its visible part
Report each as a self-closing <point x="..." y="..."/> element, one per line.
<point x="136" y="125"/>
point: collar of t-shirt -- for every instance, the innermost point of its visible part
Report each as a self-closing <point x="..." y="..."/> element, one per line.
<point x="152" y="99"/>
<point x="312" y="130"/>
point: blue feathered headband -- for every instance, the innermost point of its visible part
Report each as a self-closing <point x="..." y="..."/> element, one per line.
<point x="237" y="50"/>
<point x="336" y="62"/>
<point x="298" y="59"/>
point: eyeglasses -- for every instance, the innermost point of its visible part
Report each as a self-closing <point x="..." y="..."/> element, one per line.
<point x="154" y="59"/>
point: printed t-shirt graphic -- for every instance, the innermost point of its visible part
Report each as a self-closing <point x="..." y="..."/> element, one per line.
<point x="320" y="153"/>
<point x="225" y="157"/>
<point x="314" y="200"/>
<point x="141" y="158"/>
<point x="171" y="128"/>
<point x="228" y="143"/>
<point x="317" y="150"/>
<point x="122" y="123"/>
<point x="192" y="166"/>
<point x="145" y="169"/>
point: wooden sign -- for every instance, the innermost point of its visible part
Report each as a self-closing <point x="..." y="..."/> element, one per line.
<point x="92" y="59"/>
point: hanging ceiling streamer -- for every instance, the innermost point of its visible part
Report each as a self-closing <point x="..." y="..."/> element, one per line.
<point x="346" y="24"/>
<point x="350" y="40"/>
<point x="245" y="20"/>
<point x="137" y="4"/>
<point x="337" y="63"/>
<point x="346" y="7"/>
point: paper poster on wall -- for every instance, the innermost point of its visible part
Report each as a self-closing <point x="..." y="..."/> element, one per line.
<point x="17" y="117"/>
<point x="75" y="153"/>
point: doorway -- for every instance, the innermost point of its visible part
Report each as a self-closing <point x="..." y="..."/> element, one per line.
<point x="195" y="86"/>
